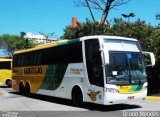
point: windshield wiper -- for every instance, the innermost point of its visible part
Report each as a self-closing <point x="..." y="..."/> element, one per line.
<point x="132" y="70"/>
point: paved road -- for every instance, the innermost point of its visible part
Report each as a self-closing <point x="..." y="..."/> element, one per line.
<point x="39" y="106"/>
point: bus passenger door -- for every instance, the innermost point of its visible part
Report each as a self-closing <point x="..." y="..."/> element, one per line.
<point x="94" y="71"/>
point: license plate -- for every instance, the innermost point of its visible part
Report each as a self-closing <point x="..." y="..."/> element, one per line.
<point x="130" y="97"/>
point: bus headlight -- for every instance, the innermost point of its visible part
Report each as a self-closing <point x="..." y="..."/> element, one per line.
<point x="111" y="90"/>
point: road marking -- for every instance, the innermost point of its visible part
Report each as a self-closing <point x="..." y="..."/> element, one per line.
<point x="152" y="98"/>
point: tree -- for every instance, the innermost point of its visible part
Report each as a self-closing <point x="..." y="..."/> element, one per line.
<point x="139" y="29"/>
<point x="22" y="34"/>
<point x="158" y="18"/>
<point x="86" y="29"/>
<point x="101" y="5"/>
<point x="14" y="42"/>
<point x="44" y="34"/>
<point x="148" y="36"/>
<point x="4" y="52"/>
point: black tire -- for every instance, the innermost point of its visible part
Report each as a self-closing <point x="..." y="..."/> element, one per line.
<point x="27" y="90"/>
<point x="21" y="89"/>
<point x="77" y="97"/>
<point x="9" y="83"/>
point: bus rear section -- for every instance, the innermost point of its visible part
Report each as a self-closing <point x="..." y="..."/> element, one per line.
<point x="5" y="71"/>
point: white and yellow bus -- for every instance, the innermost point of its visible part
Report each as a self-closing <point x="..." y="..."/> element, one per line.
<point x="5" y="71"/>
<point x="98" y="69"/>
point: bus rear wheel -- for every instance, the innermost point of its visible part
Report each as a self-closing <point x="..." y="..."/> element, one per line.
<point x="77" y="97"/>
<point x="27" y="90"/>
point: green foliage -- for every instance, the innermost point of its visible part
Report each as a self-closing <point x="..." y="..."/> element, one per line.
<point x="138" y="29"/>
<point x="148" y="36"/>
<point x="86" y="29"/>
<point x="14" y="42"/>
<point x="154" y="73"/>
<point x="154" y="45"/>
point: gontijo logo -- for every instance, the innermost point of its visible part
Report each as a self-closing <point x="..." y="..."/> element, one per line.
<point x="33" y="70"/>
<point x="93" y="95"/>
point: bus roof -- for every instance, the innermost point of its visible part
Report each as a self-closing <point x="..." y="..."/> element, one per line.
<point x="53" y="44"/>
<point x="65" y="41"/>
<point x="107" y="37"/>
<point x="5" y="59"/>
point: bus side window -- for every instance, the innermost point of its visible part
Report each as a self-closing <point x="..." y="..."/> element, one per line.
<point x="93" y="62"/>
<point x="37" y="58"/>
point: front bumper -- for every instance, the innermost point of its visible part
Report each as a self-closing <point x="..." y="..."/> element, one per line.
<point x="117" y="98"/>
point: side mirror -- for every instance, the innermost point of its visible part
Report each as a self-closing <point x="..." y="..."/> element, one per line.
<point x="152" y="58"/>
<point x="105" y="54"/>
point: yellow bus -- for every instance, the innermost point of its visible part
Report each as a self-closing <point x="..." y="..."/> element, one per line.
<point x="97" y="69"/>
<point x="6" y="71"/>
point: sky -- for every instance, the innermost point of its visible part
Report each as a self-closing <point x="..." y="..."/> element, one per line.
<point x="52" y="16"/>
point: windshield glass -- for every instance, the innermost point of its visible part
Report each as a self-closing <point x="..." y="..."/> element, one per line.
<point x="125" y="68"/>
<point x="5" y="65"/>
<point x="121" y="45"/>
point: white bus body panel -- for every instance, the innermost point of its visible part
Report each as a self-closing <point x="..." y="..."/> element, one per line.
<point x="76" y="75"/>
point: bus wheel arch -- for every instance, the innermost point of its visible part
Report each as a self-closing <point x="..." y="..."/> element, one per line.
<point x="8" y="82"/>
<point x="77" y="96"/>
<point x="27" y="89"/>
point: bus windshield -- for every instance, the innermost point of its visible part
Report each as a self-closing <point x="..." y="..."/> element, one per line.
<point x="125" y="68"/>
<point x="5" y="65"/>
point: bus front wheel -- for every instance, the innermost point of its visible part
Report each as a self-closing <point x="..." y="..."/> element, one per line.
<point x="21" y="88"/>
<point x="77" y="97"/>
<point x="9" y="83"/>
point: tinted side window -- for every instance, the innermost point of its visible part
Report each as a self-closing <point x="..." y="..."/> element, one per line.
<point x="75" y="53"/>
<point x="69" y="53"/>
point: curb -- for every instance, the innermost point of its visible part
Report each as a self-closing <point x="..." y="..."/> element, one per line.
<point x="153" y="98"/>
